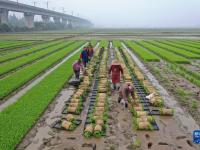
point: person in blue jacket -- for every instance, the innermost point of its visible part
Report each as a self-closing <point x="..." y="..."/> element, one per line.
<point x="84" y="56"/>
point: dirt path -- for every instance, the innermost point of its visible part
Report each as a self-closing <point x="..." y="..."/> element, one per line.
<point x="33" y="82"/>
<point x="120" y="133"/>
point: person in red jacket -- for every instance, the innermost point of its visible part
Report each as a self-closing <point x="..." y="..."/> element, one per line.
<point x="115" y="70"/>
<point x="91" y="51"/>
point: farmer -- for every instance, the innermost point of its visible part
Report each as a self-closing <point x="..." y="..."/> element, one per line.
<point x="77" y="67"/>
<point x="84" y="56"/>
<point x="91" y="51"/>
<point x="88" y="52"/>
<point x="124" y="92"/>
<point x="115" y="71"/>
<point x="101" y="52"/>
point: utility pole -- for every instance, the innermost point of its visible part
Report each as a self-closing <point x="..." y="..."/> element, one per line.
<point x="63" y="9"/>
<point x="34" y="4"/>
<point x="47" y="4"/>
<point x="72" y="13"/>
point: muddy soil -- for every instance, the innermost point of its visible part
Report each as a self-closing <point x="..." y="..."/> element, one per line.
<point x="187" y="94"/>
<point x="120" y="133"/>
<point x="194" y="67"/>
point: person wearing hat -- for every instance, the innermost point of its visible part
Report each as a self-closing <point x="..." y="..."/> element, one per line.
<point x="124" y="92"/>
<point x="115" y="70"/>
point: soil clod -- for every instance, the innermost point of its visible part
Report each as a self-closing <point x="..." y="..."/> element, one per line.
<point x="180" y="137"/>
<point x="189" y="143"/>
<point x="147" y="136"/>
<point x="149" y="145"/>
<point x="163" y="143"/>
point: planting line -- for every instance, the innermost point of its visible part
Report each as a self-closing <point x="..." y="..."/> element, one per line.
<point x="16" y="96"/>
<point x="185" y="120"/>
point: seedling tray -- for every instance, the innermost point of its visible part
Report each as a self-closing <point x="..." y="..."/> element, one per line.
<point x="155" y="126"/>
<point x="65" y="111"/>
<point x="155" y="112"/>
<point x="57" y="124"/>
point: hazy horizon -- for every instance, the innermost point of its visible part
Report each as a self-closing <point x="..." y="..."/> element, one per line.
<point x="130" y="13"/>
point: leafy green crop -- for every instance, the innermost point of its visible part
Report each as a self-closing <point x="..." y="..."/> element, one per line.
<point x="14" y="43"/>
<point x="117" y="43"/>
<point x="13" y="55"/>
<point x="93" y="42"/>
<point x="141" y="52"/>
<point x="175" y="50"/>
<point x="183" y="46"/>
<point x="192" y="76"/>
<point x="169" y="56"/>
<point x="193" y="42"/>
<point x="104" y="43"/>
<point x="19" y="78"/>
<point x="14" y="64"/>
<point x="19" y="117"/>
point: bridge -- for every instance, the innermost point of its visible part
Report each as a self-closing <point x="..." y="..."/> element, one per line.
<point x="31" y="11"/>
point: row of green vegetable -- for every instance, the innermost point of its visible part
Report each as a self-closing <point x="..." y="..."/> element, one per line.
<point x="182" y="46"/>
<point x="24" y="52"/>
<point x="165" y="54"/>
<point x="14" y="81"/>
<point x="175" y="50"/>
<point x="14" y="43"/>
<point x="141" y="52"/>
<point x="18" y="118"/>
<point x="29" y="59"/>
<point x="96" y="122"/>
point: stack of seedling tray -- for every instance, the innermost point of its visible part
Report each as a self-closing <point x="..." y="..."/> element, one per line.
<point x="141" y="113"/>
<point x="96" y="120"/>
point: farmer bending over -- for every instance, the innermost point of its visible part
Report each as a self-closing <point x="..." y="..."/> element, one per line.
<point x="124" y="92"/>
<point x="77" y="66"/>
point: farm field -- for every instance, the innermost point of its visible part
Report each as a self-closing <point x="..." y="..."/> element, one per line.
<point x="41" y="109"/>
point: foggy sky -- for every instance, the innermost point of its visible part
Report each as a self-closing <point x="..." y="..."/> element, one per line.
<point x="130" y="13"/>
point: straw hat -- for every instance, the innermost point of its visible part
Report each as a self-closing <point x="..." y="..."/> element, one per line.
<point x="115" y="62"/>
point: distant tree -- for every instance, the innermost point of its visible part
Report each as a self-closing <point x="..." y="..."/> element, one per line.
<point x="5" y="28"/>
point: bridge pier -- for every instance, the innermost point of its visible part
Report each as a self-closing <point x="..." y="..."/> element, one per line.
<point x="56" y="19"/>
<point x="3" y="15"/>
<point x="46" y="19"/>
<point x="29" y="20"/>
<point x="65" y="21"/>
